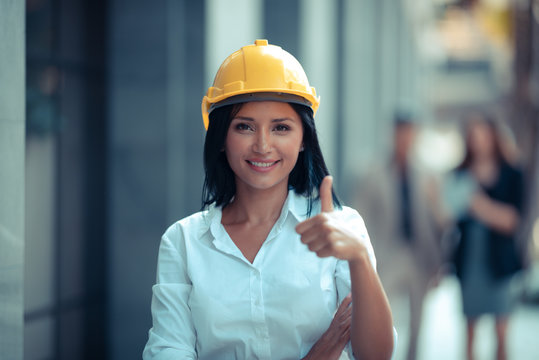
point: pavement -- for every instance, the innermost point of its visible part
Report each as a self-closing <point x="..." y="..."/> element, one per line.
<point x="443" y="329"/>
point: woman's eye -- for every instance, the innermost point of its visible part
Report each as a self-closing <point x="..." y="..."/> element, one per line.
<point x="282" y="128"/>
<point x="242" y="127"/>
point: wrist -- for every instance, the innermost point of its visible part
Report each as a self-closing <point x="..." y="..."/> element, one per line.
<point x="360" y="260"/>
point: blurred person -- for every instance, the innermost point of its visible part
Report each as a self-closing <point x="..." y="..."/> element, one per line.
<point x="265" y="271"/>
<point x="396" y="206"/>
<point x="490" y="190"/>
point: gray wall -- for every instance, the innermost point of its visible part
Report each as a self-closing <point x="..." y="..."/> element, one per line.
<point x="155" y="149"/>
<point x="11" y="177"/>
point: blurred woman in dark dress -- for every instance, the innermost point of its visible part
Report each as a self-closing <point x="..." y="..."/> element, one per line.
<point x="487" y="256"/>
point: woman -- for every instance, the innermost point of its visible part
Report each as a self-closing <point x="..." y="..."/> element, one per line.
<point x="254" y="275"/>
<point x="486" y="256"/>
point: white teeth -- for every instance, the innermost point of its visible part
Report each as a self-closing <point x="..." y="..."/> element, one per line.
<point x="262" y="164"/>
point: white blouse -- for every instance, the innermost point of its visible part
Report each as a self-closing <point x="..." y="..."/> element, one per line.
<point x="210" y="302"/>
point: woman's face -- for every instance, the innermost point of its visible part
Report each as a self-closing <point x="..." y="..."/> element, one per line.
<point x="481" y="139"/>
<point x="263" y="143"/>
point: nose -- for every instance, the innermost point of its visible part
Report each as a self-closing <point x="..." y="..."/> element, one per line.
<point x="262" y="143"/>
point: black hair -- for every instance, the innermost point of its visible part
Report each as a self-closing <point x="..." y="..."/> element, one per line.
<point x="305" y="178"/>
<point x="403" y="118"/>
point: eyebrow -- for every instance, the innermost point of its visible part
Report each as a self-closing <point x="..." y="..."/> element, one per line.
<point x="245" y="118"/>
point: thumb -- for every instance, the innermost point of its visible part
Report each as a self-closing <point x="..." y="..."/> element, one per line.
<point x="326" y="197"/>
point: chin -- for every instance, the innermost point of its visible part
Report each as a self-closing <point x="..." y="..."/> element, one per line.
<point x="264" y="184"/>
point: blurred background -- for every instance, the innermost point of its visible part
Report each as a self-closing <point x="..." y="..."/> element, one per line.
<point x="106" y="150"/>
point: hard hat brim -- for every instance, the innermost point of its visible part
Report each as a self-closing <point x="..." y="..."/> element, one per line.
<point x="261" y="96"/>
<point x="281" y="96"/>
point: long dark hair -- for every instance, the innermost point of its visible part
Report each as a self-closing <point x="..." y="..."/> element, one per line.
<point x="305" y="178"/>
<point x="501" y="150"/>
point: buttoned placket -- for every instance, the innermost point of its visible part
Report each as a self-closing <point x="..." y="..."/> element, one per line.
<point x="255" y="277"/>
<point x="258" y="314"/>
<point x="257" y="294"/>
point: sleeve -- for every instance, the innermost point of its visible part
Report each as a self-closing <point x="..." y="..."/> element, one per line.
<point x="172" y="335"/>
<point x="355" y="222"/>
<point x="457" y="192"/>
<point x="342" y="272"/>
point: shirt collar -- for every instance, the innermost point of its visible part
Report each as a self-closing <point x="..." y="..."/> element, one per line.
<point x="294" y="204"/>
<point x="297" y="205"/>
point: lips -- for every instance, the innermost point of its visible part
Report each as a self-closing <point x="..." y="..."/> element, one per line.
<point x="262" y="165"/>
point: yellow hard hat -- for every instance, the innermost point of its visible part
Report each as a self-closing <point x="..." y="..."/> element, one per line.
<point x="259" y="72"/>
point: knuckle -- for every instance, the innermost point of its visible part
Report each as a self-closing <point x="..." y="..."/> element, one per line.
<point x="331" y="241"/>
<point x="326" y="230"/>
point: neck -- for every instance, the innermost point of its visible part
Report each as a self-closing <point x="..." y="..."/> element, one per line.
<point x="481" y="159"/>
<point x="401" y="161"/>
<point x="256" y="206"/>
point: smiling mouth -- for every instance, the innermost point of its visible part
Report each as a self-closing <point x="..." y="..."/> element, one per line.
<point x="262" y="164"/>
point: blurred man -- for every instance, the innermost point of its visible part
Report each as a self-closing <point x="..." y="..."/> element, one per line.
<point x="395" y="205"/>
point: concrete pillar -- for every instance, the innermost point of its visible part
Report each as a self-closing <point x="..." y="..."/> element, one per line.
<point x="12" y="132"/>
<point x="390" y="52"/>
<point x="281" y="24"/>
<point x="156" y="69"/>
<point x="229" y="26"/>
<point x="361" y="86"/>
<point x="137" y="172"/>
<point x="318" y="55"/>
<point x="381" y="72"/>
<point x="185" y="88"/>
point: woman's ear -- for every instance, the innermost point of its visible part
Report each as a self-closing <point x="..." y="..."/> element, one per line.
<point x="301" y="148"/>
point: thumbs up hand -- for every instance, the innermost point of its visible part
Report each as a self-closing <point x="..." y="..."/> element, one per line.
<point x="326" y="234"/>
